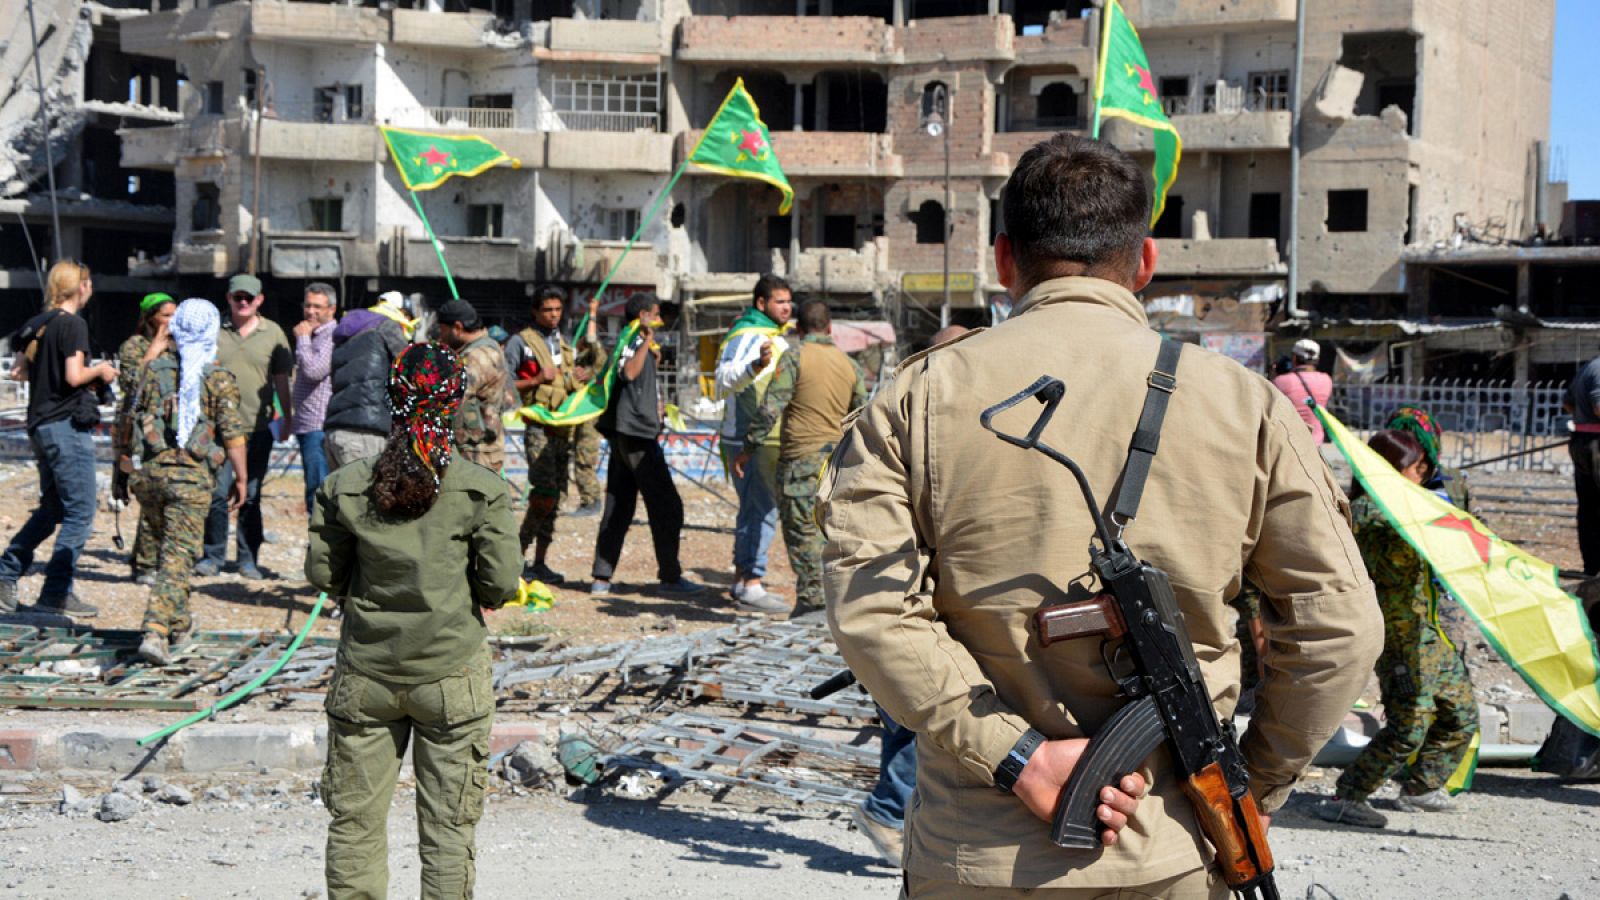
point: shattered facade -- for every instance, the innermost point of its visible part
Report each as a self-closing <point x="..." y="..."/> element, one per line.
<point x="1418" y="114"/>
<point x="116" y="219"/>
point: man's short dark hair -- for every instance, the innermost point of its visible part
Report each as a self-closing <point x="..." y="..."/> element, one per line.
<point x="546" y="292"/>
<point x="814" y="317"/>
<point x="1076" y="200"/>
<point x="767" y="285"/>
<point x="326" y="290"/>
<point x="640" y="303"/>
<point x="460" y="312"/>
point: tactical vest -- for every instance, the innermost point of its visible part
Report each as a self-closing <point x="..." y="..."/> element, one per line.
<point x="156" y="420"/>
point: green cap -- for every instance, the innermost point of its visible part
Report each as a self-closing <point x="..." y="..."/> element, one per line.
<point x="154" y="301"/>
<point x="244" y="284"/>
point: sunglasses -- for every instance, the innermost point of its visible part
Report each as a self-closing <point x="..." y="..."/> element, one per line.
<point x="241" y="297"/>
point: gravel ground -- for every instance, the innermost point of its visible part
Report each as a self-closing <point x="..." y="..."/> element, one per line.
<point x="1520" y="835"/>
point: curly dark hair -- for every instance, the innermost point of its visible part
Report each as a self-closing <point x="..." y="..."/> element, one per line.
<point x="401" y="485"/>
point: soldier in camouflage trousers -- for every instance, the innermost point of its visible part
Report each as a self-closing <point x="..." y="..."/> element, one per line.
<point x="154" y="312"/>
<point x="815" y="387"/>
<point x="1429" y="709"/>
<point x="585" y="468"/>
<point x="186" y="425"/>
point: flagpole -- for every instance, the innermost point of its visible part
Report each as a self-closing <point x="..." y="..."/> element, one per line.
<point x="644" y="223"/>
<point x="1100" y="68"/>
<point x="428" y="227"/>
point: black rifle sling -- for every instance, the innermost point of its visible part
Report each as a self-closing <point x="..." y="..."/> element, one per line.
<point x="1163" y="381"/>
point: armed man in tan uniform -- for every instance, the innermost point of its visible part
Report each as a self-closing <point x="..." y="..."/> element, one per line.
<point x="943" y="541"/>
<point x="480" y="433"/>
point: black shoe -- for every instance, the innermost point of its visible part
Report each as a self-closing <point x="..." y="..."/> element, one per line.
<point x="70" y="605"/>
<point x="586" y="510"/>
<point x="541" y="572"/>
<point x="8" y="597"/>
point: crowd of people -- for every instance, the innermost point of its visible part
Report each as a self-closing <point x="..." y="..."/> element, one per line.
<point x="927" y="543"/>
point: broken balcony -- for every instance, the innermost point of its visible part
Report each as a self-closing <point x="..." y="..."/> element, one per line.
<point x="480" y="258"/>
<point x="1219" y="256"/>
<point x="601" y="40"/>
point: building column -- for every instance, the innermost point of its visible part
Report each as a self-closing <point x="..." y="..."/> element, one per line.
<point x="899" y="13"/>
<point x="794" y="235"/>
<point x="1524" y="285"/>
<point x="994" y="7"/>
<point x="799" y="107"/>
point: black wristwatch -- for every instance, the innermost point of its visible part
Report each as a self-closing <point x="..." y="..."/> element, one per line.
<point x="1010" y="768"/>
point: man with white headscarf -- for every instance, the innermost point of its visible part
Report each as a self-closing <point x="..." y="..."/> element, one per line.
<point x="186" y="426"/>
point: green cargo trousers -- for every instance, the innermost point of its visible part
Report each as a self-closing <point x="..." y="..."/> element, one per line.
<point x="370" y="722"/>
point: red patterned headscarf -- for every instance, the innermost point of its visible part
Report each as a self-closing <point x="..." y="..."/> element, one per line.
<point x="1421" y="426"/>
<point x="425" y="389"/>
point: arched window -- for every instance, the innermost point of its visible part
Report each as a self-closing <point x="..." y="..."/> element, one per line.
<point x="1058" y="106"/>
<point x="935" y="99"/>
<point x="930" y="222"/>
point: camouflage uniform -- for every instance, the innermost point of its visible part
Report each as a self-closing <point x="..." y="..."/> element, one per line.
<point x="480" y="434"/>
<point x="586" y="463"/>
<point x="1428" y="705"/>
<point x="175" y="483"/>
<point x="147" y="540"/>
<point x="799" y="475"/>
<point x="549" y="448"/>
<point x="1248" y="605"/>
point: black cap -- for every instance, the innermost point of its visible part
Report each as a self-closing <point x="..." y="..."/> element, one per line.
<point x="460" y="312"/>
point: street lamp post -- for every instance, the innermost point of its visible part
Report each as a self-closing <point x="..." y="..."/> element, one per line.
<point x="938" y="125"/>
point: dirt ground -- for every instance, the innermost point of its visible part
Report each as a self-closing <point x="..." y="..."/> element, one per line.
<point x="1519" y="834"/>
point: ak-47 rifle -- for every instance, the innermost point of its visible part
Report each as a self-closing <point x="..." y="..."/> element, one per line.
<point x="1169" y="701"/>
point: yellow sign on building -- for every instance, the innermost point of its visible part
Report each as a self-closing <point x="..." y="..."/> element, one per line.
<point x="933" y="282"/>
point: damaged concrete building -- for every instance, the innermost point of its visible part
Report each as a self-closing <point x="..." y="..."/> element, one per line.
<point x="1418" y="115"/>
<point x="114" y="219"/>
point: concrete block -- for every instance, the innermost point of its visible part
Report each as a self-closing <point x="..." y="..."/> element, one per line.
<point x="19" y="749"/>
<point x="216" y="748"/>
<point x="111" y="749"/>
<point x="1337" y="100"/>
<point x="509" y="734"/>
<point x="1530" y="723"/>
<point x="1491" y="724"/>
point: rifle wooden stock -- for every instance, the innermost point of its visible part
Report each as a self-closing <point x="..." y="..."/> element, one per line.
<point x="1096" y="616"/>
<point x="1233" y="827"/>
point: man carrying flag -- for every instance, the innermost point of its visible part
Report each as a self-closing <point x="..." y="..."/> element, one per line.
<point x="546" y="371"/>
<point x="744" y="369"/>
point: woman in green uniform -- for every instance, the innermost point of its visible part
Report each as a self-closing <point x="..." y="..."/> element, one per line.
<point x="416" y="546"/>
<point x="1430" y="714"/>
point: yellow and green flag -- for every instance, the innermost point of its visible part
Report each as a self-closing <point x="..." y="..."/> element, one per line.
<point x="1537" y="628"/>
<point x="425" y="160"/>
<point x="588" y="401"/>
<point x="737" y="143"/>
<point x="1125" y="88"/>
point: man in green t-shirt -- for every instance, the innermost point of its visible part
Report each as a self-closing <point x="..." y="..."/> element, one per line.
<point x="257" y="352"/>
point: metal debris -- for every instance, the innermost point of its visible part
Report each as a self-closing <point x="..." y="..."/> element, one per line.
<point x="31" y="673"/>
<point x="793" y="763"/>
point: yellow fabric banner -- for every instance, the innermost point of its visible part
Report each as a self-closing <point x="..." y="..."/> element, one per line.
<point x="1537" y="628"/>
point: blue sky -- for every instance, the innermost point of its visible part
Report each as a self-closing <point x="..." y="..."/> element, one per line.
<point x="1574" y="122"/>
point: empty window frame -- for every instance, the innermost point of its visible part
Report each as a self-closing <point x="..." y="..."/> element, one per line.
<point x="607" y="102"/>
<point x="1347" y="210"/>
<point x="213" y="98"/>
<point x="615" y="224"/>
<point x="929" y="219"/>
<point x="486" y="220"/>
<point x="338" y="103"/>
<point x="327" y="213"/>
<point x="206" y="214"/>
<point x="1267" y="90"/>
<point x="839" y="231"/>
<point x="1170" y="225"/>
<point x="1175" y="95"/>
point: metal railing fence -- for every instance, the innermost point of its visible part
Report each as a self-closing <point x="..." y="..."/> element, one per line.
<point x="1481" y="419"/>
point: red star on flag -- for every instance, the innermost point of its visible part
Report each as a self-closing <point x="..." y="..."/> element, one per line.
<point x="752" y="143"/>
<point x="435" y="158"/>
<point x="1146" y="83"/>
<point x="1480" y="541"/>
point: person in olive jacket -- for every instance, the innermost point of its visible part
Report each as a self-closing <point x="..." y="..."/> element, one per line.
<point x="415" y="546"/>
